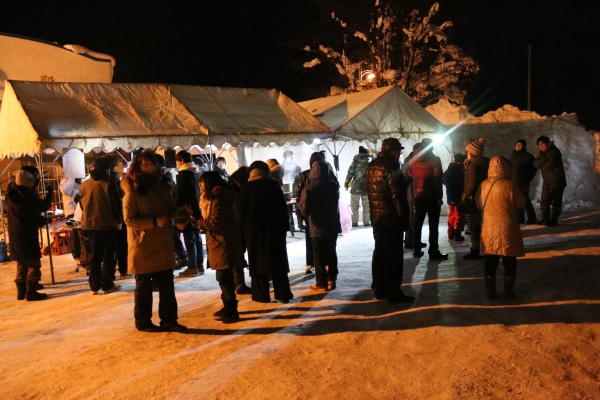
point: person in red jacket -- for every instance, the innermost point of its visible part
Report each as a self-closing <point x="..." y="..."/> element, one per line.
<point x="426" y="172"/>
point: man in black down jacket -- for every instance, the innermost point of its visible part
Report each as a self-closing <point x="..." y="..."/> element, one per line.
<point x="389" y="216"/>
<point x="549" y="162"/>
<point x="523" y="174"/>
<point x="24" y="208"/>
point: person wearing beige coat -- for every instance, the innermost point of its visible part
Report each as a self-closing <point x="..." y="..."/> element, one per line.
<point x="147" y="208"/>
<point x="499" y="198"/>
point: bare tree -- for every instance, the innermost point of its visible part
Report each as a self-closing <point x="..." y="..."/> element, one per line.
<point x="396" y="48"/>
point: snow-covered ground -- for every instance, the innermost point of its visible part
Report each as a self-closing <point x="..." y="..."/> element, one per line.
<point x="451" y="343"/>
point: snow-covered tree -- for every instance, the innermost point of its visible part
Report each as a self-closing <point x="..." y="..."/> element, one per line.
<point x="388" y="45"/>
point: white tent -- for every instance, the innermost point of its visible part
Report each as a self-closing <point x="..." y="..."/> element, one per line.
<point x="374" y="114"/>
<point x="39" y="115"/>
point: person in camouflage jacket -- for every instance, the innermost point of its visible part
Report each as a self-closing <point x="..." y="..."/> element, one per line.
<point x="355" y="181"/>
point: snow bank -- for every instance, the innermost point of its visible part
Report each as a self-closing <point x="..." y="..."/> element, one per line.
<point x="503" y="127"/>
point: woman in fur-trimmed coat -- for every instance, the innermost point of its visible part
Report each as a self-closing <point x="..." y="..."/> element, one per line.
<point x="499" y="198"/>
<point x="147" y="208"/>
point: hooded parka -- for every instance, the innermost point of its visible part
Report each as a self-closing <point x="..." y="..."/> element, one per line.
<point x="151" y="248"/>
<point x="499" y="198"/>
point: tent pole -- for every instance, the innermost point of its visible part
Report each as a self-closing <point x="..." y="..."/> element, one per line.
<point x="41" y="164"/>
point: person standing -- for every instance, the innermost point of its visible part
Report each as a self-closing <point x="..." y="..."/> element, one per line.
<point x="291" y="170"/>
<point x="69" y="187"/>
<point x="389" y="216"/>
<point x="426" y="172"/>
<point x="223" y="241"/>
<point x="187" y="194"/>
<point x="355" y="181"/>
<point x="302" y="220"/>
<point x="408" y="237"/>
<point x="147" y="207"/>
<point x="476" y="171"/>
<point x="454" y="180"/>
<point x="549" y="162"/>
<point x="499" y="198"/>
<point x="220" y="163"/>
<point x="118" y="168"/>
<point x="319" y="203"/>
<point x="523" y="173"/>
<point x="102" y="214"/>
<point x="276" y="171"/>
<point x="24" y="210"/>
<point x="264" y="225"/>
<point x="237" y="180"/>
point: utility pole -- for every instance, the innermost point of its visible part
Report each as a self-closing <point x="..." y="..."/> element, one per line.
<point x="529" y="79"/>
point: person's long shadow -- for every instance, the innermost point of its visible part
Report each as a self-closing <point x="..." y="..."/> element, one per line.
<point x="555" y="284"/>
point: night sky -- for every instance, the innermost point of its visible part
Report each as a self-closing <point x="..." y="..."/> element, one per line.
<point x="255" y="44"/>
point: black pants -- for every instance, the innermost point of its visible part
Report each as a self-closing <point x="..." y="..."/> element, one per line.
<point x="509" y="263"/>
<point x="74" y="242"/>
<point x="528" y="208"/>
<point x="167" y="304"/>
<point x="281" y="287"/>
<point x="102" y="258"/>
<point x="474" y="224"/>
<point x="431" y="208"/>
<point x="29" y="270"/>
<point x="551" y="196"/>
<point x="226" y="283"/>
<point x="122" y="250"/>
<point x="388" y="264"/>
<point x="324" y="250"/>
<point x="310" y="259"/>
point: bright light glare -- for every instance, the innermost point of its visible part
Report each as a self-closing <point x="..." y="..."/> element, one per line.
<point x="438" y="139"/>
<point x="317" y="141"/>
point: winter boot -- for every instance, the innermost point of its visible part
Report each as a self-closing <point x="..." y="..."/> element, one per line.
<point x="21" y="288"/>
<point x="490" y="287"/>
<point x="473" y="255"/>
<point x="509" y="286"/>
<point x="458" y="237"/>
<point x="32" y="293"/>
<point x="545" y="216"/>
<point x="553" y="221"/>
<point x="530" y="211"/>
<point x="230" y="313"/>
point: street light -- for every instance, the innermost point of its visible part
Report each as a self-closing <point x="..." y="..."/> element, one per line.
<point x="370" y="75"/>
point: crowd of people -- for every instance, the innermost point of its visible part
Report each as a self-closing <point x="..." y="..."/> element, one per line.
<point x="147" y="223"/>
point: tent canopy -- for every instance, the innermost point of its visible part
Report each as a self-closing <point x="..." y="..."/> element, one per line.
<point x="374" y="114"/>
<point x="39" y="115"/>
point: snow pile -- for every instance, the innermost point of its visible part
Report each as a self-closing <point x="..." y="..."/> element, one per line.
<point x="506" y="113"/>
<point x="447" y="113"/>
<point x="503" y="127"/>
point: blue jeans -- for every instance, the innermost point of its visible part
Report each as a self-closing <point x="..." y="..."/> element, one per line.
<point x="193" y="246"/>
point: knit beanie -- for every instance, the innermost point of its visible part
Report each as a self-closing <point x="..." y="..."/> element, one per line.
<point x="362" y="150"/>
<point x="476" y="147"/>
<point x="24" y="178"/>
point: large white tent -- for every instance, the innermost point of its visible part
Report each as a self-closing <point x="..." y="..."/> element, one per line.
<point x="39" y="115"/>
<point x="374" y="114"/>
